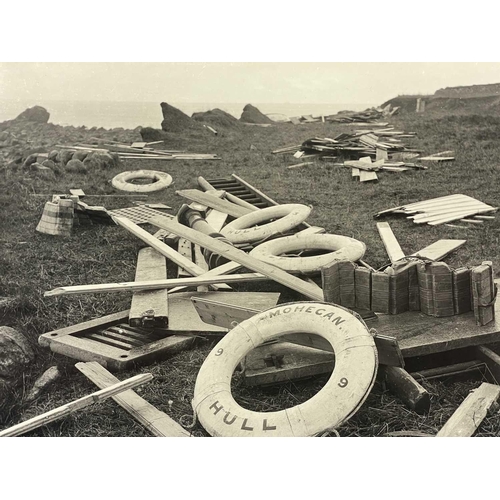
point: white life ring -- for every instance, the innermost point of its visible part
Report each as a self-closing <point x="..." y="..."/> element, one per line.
<point x="244" y="229"/>
<point x="161" y="180"/>
<point x="342" y="248"/>
<point x="356" y="363"/>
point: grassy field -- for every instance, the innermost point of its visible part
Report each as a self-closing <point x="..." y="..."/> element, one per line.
<point x="31" y="263"/>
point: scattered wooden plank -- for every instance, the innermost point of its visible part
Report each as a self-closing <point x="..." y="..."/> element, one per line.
<point x="165" y="250"/>
<point x="365" y="176"/>
<point x="303" y="164"/>
<point x="390" y="242"/>
<point x="236" y="255"/>
<point x="77" y="192"/>
<point x="282" y="361"/>
<point x="78" y="404"/>
<point x="137" y="286"/>
<point x="469" y="415"/>
<point x="471" y="221"/>
<point x="155" y="421"/>
<point x="355" y="173"/>
<point x="439" y="249"/>
<point x="449" y="370"/>
<point x="149" y="309"/>
<point x="213" y="202"/>
<point x="413" y="395"/>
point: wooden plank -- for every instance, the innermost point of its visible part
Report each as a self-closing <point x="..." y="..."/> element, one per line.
<point x="199" y="260"/>
<point x="150" y="308"/>
<point x="165" y="250"/>
<point x="469" y="415"/>
<point x="78" y="404"/>
<point x="186" y="250"/>
<point x="175" y="283"/>
<point x="282" y="361"/>
<point x="439" y="249"/>
<point x="365" y="176"/>
<point x="413" y="395"/>
<point x="449" y="370"/>
<point x="355" y="173"/>
<point x="221" y="248"/>
<point x="213" y="202"/>
<point x="155" y="421"/>
<point x="390" y="242"/>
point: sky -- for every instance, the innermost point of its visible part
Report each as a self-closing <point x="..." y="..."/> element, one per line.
<point x="240" y="82"/>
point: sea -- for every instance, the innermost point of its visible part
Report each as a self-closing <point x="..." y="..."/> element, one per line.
<point x="129" y="115"/>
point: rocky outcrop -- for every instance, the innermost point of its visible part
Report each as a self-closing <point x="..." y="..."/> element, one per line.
<point x="470" y="91"/>
<point x="15" y="356"/>
<point x="35" y="114"/>
<point x="216" y="118"/>
<point x="252" y="115"/>
<point x="174" y="120"/>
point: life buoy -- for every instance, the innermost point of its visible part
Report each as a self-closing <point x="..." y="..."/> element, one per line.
<point x="356" y="363"/>
<point x="161" y="180"/>
<point x="244" y="229"/>
<point x="342" y="248"/>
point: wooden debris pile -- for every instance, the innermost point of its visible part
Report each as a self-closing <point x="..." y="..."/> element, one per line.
<point x="370" y="115"/>
<point x="436" y="211"/>
<point x="138" y="151"/>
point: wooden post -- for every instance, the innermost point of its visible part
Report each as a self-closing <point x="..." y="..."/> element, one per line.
<point x="403" y="385"/>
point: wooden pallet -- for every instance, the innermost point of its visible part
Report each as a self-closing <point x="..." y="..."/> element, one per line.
<point x="138" y="215"/>
<point x="112" y="342"/>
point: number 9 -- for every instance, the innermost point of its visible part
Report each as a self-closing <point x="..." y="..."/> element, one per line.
<point x="343" y="382"/>
<point x="219" y="352"/>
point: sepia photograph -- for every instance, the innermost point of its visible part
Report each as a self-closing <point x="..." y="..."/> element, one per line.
<point x="247" y="248"/>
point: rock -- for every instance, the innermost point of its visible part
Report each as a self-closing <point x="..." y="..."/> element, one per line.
<point x="53" y="155"/>
<point x="76" y="166"/>
<point x="97" y="160"/>
<point x="35" y="114"/>
<point x="252" y="115"/>
<point x="49" y="164"/>
<point x="174" y="120"/>
<point x="42" y="383"/>
<point x="217" y="118"/>
<point x="150" y="134"/>
<point x="30" y="160"/>
<point x="80" y="155"/>
<point x="4" y="136"/>
<point x="15" y="356"/>
<point x="64" y="156"/>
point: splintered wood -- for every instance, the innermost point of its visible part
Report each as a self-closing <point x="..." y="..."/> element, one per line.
<point x="469" y="415"/>
<point x="441" y="210"/>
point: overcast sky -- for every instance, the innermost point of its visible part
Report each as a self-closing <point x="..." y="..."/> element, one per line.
<point x="236" y="82"/>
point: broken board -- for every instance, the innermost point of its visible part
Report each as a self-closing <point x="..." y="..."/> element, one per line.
<point x="390" y="242"/>
<point x="439" y="249"/>
<point x="149" y="309"/>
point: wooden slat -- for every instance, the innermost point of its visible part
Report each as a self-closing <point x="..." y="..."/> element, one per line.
<point x="186" y="250"/>
<point x="199" y="259"/>
<point x="439" y="249"/>
<point x="150" y="309"/>
<point x="155" y="421"/>
<point x="469" y="415"/>
<point x="390" y="242"/>
<point x="78" y="404"/>
<point x="232" y="253"/>
<point x="165" y="250"/>
<point x="365" y="176"/>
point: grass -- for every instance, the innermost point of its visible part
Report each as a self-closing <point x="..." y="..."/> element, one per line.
<point x="31" y="263"/>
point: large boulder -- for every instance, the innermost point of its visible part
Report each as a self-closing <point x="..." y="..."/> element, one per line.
<point x="174" y="120"/>
<point x="35" y="114"/>
<point x="217" y="118"/>
<point x="150" y="134"/>
<point x="101" y="160"/>
<point x="15" y="356"/>
<point x="252" y="115"/>
<point x="76" y="166"/>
